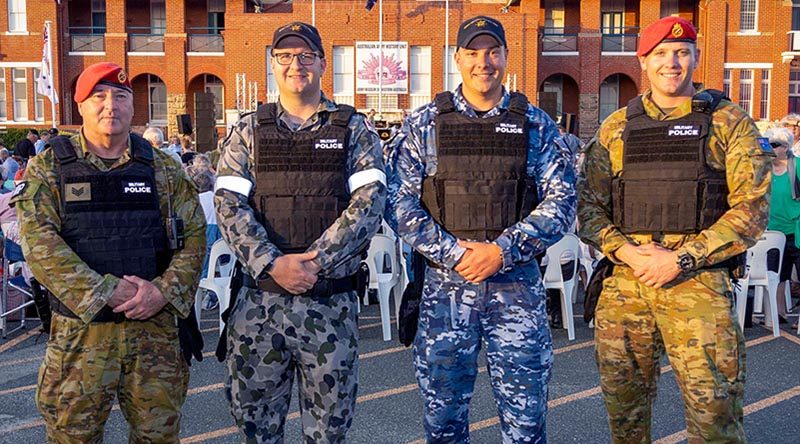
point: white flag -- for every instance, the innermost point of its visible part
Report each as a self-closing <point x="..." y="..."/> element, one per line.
<point x="44" y="84"/>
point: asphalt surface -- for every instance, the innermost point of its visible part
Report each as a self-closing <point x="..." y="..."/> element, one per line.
<point x="389" y="408"/>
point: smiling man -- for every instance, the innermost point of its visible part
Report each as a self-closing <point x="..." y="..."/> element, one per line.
<point x="300" y="191"/>
<point x="93" y="212"/>
<point x="675" y="189"/>
<point x="479" y="187"/>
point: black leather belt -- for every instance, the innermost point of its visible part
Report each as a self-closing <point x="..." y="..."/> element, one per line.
<point x="324" y="287"/>
<point x="432" y="264"/>
<point x="106" y="314"/>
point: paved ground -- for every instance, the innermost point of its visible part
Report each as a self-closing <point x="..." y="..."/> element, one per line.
<point x="389" y="404"/>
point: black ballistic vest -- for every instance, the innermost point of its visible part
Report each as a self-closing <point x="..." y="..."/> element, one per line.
<point x="665" y="185"/>
<point x="481" y="185"/>
<point x="112" y="220"/>
<point x="301" y="183"/>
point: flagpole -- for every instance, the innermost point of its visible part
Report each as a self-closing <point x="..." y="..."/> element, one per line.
<point x="446" y="44"/>
<point x="47" y="24"/>
<point x="380" y="63"/>
<point x="313" y="13"/>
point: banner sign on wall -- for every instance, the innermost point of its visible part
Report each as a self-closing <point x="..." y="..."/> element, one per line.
<point x="394" y="77"/>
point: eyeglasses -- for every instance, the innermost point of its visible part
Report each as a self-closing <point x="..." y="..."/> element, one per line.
<point x="777" y="144"/>
<point x="286" y="58"/>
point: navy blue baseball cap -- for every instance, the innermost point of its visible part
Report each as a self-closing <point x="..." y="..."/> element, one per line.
<point x="308" y="33"/>
<point x="480" y="25"/>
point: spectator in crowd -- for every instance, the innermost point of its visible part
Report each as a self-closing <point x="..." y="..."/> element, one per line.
<point x="174" y="145"/>
<point x="44" y="142"/>
<point x="792" y="122"/>
<point x="25" y="148"/>
<point x="187" y="149"/>
<point x="155" y="136"/>
<point x="10" y="166"/>
<point x="200" y="171"/>
<point x="784" y="210"/>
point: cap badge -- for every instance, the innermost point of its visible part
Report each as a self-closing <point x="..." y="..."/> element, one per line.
<point x="121" y="76"/>
<point x="480" y="23"/>
<point x="296" y="28"/>
<point x="677" y="30"/>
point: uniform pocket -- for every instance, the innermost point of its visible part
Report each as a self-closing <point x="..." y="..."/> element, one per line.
<point x="728" y="365"/>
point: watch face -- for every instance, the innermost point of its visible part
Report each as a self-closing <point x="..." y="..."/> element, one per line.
<point x="686" y="262"/>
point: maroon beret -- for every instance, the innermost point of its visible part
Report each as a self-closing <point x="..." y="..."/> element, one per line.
<point x="101" y="73"/>
<point x="668" y="29"/>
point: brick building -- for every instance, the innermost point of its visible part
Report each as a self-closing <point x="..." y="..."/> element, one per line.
<point x="581" y="53"/>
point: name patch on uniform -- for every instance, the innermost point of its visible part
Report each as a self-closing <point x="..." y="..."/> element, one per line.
<point x="684" y="130"/>
<point x="508" y="128"/>
<point x="329" y="144"/>
<point x="78" y="192"/>
<point x="137" y="188"/>
<point x="19" y="189"/>
<point x="763" y="143"/>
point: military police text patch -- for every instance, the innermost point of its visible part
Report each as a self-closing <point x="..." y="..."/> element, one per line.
<point x="19" y="189"/>
<point x="683" y="130"/>
<point x="136" y="188"/>
<point x="508" y="128"/>
<point x="329" y="144"/>
<point x="78" y="192"/>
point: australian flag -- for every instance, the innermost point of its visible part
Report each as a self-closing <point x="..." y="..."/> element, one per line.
<point x="370" y="4"/>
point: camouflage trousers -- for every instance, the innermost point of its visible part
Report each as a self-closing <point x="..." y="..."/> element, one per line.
<point x="508" y="313"/>
<point x="273" y="336"/>
<point x="87" y="365"/>
<point x="692" y="320"/>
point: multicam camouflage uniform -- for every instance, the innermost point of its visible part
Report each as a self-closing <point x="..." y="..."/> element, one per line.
<point x="272" y="336"/>
<point x="507" y="310"/>
<point x="691" y="318"/>
<point x="87" y="363"/>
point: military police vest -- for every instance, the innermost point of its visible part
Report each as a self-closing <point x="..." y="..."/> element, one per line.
<point x="481" y="185"/>
<point x="665" y="185"/>
<point x="301" y="183"/>
<point x="112" y="219"/>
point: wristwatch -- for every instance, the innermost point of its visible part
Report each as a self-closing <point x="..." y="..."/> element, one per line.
<point x="686" y="262"/>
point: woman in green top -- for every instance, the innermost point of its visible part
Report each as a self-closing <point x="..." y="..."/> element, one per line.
<point x="784" y="211"/>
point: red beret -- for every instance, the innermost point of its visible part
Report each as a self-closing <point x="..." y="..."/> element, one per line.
<point x="105" y="73"/>
<point x="668" y="29"/>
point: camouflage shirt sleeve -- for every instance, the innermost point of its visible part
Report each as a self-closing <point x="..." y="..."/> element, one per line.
<point x="236" y="219"/>
<point x="551" y="164"/>
<point x="178" y="283"/>
<point x="53" y="263"/>
<point x="411" y="152"/>
<point x="734" y="147"/>
<point x="338" y="246"/>
<point x="594" y="192"/>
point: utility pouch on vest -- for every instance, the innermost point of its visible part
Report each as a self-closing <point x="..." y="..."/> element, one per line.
<point x="652" y="206"/>
<point x="175" y="233"/>
<point x="236" y="286"/>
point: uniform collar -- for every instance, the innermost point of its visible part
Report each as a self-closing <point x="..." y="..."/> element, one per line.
<point x="325" y="106"/>
<point x="464" y="108"/>
<point x="94" y="159"/>
<point x="681" y="110"/>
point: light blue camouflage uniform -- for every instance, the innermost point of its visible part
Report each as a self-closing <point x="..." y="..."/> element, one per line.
<point x="507" y="310"/>
<point x="271" y="336"/>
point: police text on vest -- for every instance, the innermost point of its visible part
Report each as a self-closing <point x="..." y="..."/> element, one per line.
<point x="136" y="188"/>
<point x="508" y="128"/>
<point x="683" y="130"/>
<point x="329" y="144"/>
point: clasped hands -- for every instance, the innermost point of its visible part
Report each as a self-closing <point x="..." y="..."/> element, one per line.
<point x="654" y="265"/>
<point x="296" y="273"/>
<point x="139" y="299"/>
<point x="480" y="262"/>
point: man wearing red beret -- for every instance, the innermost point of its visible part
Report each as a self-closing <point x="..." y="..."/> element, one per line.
<point x="96" y="214"/>
<point x="675" y="188"/>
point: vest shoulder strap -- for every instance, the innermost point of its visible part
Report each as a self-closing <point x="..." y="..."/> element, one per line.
<point x="635" y="108"/>
<point x="707" y="101"/>
<point x="63" y="149"/>
<point x="266" y="114"/>
<point x="341" y="117"/>
<point x="141" y="150"/>
<point x="444" y="102"/>
<point x="518" y="103"/>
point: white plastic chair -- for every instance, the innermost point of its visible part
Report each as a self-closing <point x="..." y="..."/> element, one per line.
<point x="221" y="285"/>
<point x="553" y="278"/>
<point x="759" y="277"/>
<point x="12" y="260"/>
<point x="382" y="248"/>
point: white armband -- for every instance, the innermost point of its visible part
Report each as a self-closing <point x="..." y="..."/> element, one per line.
<point x="237" y="184"/>
<point x="365" y="177"/>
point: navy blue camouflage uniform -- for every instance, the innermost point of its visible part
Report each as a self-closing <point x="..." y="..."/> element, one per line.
<point x="507" y="310"/>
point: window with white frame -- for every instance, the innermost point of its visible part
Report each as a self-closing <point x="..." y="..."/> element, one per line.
<point x="38" y="100"/>
<point x="3" y="115"/>
<point x="454" y="79"/>
<point x="794" y="90"/>
<point x="746" y="90"/>
<point x="158" y="99"/>
<point x="748" y="15"/>
<point x="17" y="17"/>
<point x="555" y="84"/>
<point x="609" y="97"/>
<point x="214" y="86"/>
<point x="726" y="82"/>
<point x="420" y="82"/>
<point x="554" y="16"/>
<point x="764" y="108"/>
<point x="20" y="92"/>
<point x="344" y="76"/>
<point x="272" y="87"/>
<point x="389" y="102"/>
